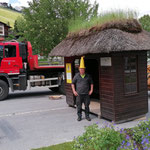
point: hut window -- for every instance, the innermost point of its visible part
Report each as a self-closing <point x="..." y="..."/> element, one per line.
<point x="1" y="30"/>
<point x="130" y="74"/>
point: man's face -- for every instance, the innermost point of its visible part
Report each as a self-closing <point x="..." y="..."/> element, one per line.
<point x="82" y="71"/>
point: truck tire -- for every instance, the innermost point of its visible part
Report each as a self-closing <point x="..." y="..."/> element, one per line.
<point x="4" y="90"/>
<point x="60" y="89"/>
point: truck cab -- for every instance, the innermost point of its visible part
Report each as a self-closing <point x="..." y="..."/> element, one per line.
<point x="10" y="60"/>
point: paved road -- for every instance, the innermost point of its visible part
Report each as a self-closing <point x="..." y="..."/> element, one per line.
<point x="31" y="120"/>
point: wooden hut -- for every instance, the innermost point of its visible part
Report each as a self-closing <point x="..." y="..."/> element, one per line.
<point x="4" y="29"/>
<point x="116" y="57"/>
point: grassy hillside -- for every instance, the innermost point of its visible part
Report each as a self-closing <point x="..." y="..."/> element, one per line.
<point x="7" y="15"/>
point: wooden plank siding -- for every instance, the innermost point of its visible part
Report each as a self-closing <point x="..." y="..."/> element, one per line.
<point x="6" y="29"/>
<point x="131" y="105"/>
<point x="70" y="99"/>
<point x="106" y="90"/>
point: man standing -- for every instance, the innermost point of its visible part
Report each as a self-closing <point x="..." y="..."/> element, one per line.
<point x="82" y="87"/>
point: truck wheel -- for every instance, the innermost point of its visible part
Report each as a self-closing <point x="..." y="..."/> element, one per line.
<point x="4" y="90"/>
<point x="60" y="89"/>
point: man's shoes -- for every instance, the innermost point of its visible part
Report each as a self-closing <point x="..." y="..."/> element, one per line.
<point x="88" y="118"/>
<point x="79" y="119"/>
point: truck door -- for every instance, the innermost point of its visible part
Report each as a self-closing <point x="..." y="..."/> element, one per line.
<point x="9" y="59"/>
<point x="11" y="62"/>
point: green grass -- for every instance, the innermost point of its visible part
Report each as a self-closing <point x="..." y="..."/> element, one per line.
<point x="7" y="15"/>
<point x="78" y="24"/>
<point x="63" y="146"/>
<point x="42" y="59"/>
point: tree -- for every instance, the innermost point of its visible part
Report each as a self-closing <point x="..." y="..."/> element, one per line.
<point x="145" y="22"/>
<point x="18" y="32"/>
<point x="46" y="22"/>
<point x="19" y="29"/>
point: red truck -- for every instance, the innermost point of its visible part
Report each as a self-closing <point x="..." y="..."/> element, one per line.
<point x="19" y="69"/>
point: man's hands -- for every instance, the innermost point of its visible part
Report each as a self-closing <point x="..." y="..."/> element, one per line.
<point x="75" y="93"/>
<point x="91" y="91"/>
<point x="73" y="90"/>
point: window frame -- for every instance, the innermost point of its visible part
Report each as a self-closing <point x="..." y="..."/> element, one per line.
<point x="131" y="73"/>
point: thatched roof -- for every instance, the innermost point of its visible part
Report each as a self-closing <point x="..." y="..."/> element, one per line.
<point x="110" y="37"/>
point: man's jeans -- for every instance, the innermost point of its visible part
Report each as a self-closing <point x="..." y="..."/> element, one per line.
<point x="85" y="98"/>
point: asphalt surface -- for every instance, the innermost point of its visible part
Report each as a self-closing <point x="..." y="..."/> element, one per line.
<point x="31" y="120"/>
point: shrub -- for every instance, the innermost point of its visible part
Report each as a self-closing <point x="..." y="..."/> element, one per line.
<point x="99" y="139"/>
<point x="141" y="134"/>
<point x="108" y="138"/>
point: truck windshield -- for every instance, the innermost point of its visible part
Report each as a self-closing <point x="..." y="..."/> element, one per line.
<point x="1" y="52"/>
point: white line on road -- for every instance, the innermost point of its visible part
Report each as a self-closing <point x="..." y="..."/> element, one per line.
<point x="31" y="112"/>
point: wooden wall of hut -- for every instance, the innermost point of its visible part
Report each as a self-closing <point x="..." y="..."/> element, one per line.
<point x="6" y="30"/>
<point x="106" y="83"/>
<point x="130" y="106"/>
<point x="116" y="105"/>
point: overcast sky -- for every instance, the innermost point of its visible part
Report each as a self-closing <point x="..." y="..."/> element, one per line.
<point x="141" y="6"/>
